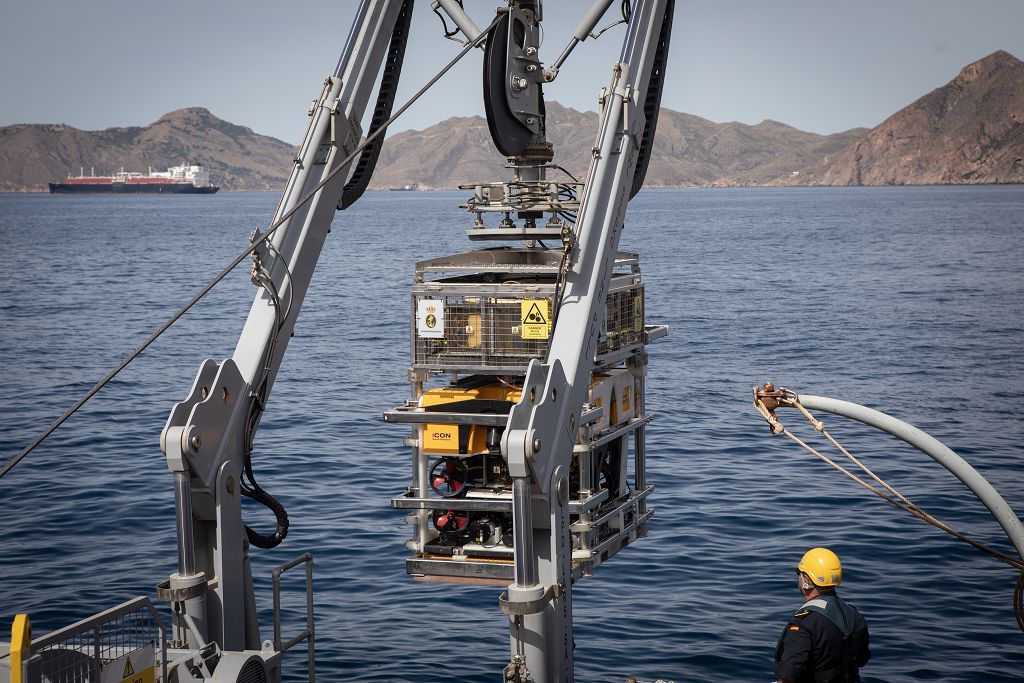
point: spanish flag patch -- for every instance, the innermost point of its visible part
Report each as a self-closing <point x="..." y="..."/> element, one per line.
<point x="794" y="628"/>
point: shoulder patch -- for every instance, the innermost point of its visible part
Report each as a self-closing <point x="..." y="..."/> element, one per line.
<point x="794" y="628"/>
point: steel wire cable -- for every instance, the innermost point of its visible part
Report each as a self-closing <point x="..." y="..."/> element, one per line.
<point x="13" y="462"/>
<point x="249" y="486"/>
<point x="908" y="506"/>
<point x="898" y="500"/>
<point x="566" y="172"/>
<point x="1018" y="601"/>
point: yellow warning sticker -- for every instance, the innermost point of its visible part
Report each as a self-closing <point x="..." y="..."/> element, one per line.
<point x="535" y="315"/>
<point x="138" y="666"/>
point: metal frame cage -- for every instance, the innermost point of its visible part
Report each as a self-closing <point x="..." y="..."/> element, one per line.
<point x="83" y="650"/>
<point x="483" y="326"/>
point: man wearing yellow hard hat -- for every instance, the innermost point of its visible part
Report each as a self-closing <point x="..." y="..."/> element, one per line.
<point x="826" y="641"/>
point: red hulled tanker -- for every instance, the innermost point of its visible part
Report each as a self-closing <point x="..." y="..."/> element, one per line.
<point x="184" y="179"/>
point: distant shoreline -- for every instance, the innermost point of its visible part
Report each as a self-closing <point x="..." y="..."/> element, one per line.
<point x="660" y="187"/>
<point x="966" y="132"/>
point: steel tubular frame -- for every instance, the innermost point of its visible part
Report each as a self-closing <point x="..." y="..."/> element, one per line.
<point x="309" y="634"/>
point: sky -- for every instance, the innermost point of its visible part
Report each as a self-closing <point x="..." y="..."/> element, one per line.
<point x="822" y="66"/>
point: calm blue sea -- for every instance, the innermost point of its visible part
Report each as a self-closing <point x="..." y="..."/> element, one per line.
<point x="909" y="300"/>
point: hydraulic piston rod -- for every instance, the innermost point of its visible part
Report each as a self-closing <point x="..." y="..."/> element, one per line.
<point x="186" y="543"/>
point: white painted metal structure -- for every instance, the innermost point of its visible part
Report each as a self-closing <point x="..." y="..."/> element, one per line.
<point x="208" y="437"/>
<point x="538" y="440"/>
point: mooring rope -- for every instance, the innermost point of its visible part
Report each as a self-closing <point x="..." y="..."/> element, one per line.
<point x="767" y="400"/>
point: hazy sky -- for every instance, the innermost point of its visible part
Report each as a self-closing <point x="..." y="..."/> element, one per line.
<point x="821" y="65"/>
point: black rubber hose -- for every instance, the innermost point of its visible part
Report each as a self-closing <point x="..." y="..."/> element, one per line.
<point x="367" y="163"/>
<point x="652" y="101"/>
<point x="280" y="514"/>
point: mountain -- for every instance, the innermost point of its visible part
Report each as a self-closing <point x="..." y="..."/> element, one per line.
<point x="968" y="131"/>
<point x="237" y="158"/>
<point x="691" y="151"/>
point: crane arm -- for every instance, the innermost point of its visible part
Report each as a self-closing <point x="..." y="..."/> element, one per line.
<point x="208" y="436"/>
<point x="539" y="437"/>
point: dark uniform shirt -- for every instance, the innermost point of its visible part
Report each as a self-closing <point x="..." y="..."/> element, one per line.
<point x="813" y="648"/>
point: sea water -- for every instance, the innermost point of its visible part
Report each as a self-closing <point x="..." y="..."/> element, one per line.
<point x="908" y="300"/>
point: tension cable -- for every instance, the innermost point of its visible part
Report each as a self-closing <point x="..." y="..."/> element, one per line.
<point x="767" y="399"/>
<point x="255" y="244"/>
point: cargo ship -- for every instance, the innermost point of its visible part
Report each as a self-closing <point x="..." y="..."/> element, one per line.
<point x="184" y="179"/>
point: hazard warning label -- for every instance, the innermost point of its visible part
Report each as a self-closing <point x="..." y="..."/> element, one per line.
<point x="535" y="318"/>
<point x="138" y="666"/>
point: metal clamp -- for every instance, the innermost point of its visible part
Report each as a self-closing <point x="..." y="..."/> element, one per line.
<point x="515" y="609"/>
<point x="516" y="671"/>
<point x="165" y="593"/>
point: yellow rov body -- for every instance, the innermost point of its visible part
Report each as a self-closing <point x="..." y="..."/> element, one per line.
<point x="480" y="396"/>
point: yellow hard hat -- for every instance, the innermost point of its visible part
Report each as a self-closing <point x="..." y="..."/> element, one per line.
<point x="822" y="567"/>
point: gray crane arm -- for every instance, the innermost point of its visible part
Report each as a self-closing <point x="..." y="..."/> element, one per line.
<point x="207" y="436"/>
<point x="539" y="437"/>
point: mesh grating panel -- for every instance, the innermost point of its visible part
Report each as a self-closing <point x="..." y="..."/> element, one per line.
<point x="253" y="672"/>
<point x="83" y="653"/>
<point x="480" y="332"/>
<point x="624" y="324"/>
<point x="487" y="332"/>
